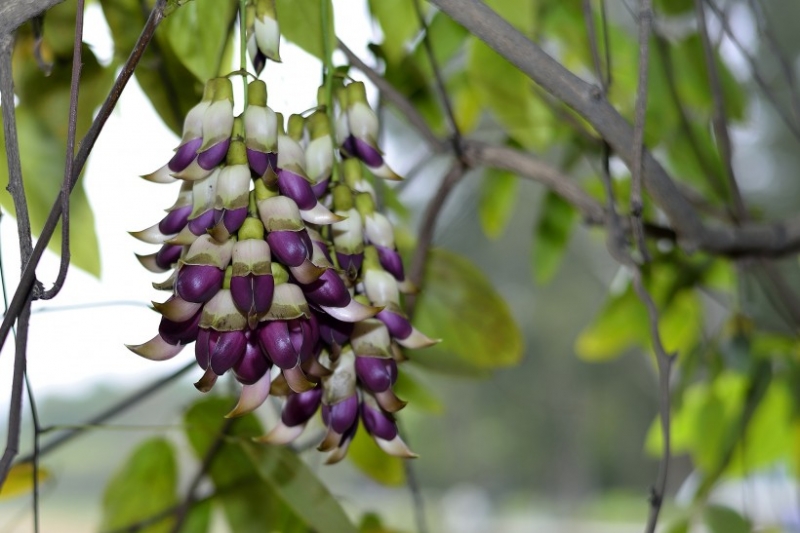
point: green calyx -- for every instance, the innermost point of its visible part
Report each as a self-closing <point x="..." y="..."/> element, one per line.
<point x="296" y="125"/>
<point x="237" y="153"/>
<point x="252" y="228"/>
<point x="266" y="8"/>
<point x="279" y="119"/>
<point x="223" y="89"/>
<point x="318" y="125"/>
<point x="365" y="205"/>
<point x="371" y="259"/>
<point x="262" y="192"/>
<point x="279" y="273"/>
<point x="226" y="283"/>
<point x="352" y="171"/>
<point x="257" y="93"/>
<point x="356" y="92"/>
<point x="322" y="97"/>
<point x="208" y="91"/>
<point x="237" y="132"/>
<point x="342" y="197"/>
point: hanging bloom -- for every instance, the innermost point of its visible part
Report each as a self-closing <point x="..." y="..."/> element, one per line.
<point x="232" y="194"/>
<point x="348" y="237"/>
<point x="252" y="284"/>
<point x="203" y="269"/>
<point x="319" y="152"/>
<point x="340" y="406"/>
<point x="296" y="412"/>
<point x="266" y="30"/>
<point x="260" y="130"/>
<point x="217" y="129"/>
<point x="383" y="429"/>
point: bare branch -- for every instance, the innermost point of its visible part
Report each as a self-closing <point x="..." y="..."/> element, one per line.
<point x="13" y="13"/>
<point x="15" y="409"/>
<point x="645" y="21"/>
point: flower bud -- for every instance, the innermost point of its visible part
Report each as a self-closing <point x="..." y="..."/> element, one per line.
<point x="267" y="31"/>
<point x="217" y="125"/>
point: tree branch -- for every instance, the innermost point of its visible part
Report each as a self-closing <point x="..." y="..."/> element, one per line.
<point x="587" y="100"/>
<point x="14" y="13"/>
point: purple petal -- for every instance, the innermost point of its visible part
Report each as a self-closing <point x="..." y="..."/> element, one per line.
<point x="202" y="348"/>
<point x="258" y="161"/>
<point x="198" y="283"/>
<point x="350" y="262"/>
<point x="369" y="155"/>
<point x="180" y="332"/>
<point x="277" y="343"/>
<point x="321" y="187"/>
<point x="391" y="261"/>
<point x="184" y="155"/>
<point x="333" y="331"/>
<point x="329" y="290"/>
<point x="399" y="327"/>
<point x="290" y="247"/>
<point x="376" y="373"/>
<point x="349" y="145"/>
<point x="202" y="223"/>
<point x="175" y="220"/>
<point x="300" y="407"/>
<point x="253" y="364"/>
<point x="263" y="289"/>
<point x="214" y="155"/>
<point x="252" y="293"/>
<point x="377" y="423"/>
<point x="344" y="414"/>
<point x="227" y="351"/>
<point x="304" y="335"/>
<point x="168" y="255"/>
<point x="297" y="188"/>
<point x="233" y="219"/>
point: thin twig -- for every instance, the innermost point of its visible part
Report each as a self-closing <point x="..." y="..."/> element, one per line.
<point x="23" y="291"/>
<point x="427" y="228"/>
<point x="37" y="431"/>
<point x="437" y="75"/>
<point x="191" y="494"/>
<point x="720" y="119"/>
<point x="69" y="159"/>
<point x="15" y="409"/>
<point x="645" y="21"/>
<point x="119" y="407"/>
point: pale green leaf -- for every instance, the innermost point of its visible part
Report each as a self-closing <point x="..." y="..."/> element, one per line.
<point x="399" y="24"/>
<point x="301" y="23"/>
<point x="418" y="395"/>
<point x="374" y="462"/>
<point x="619" y="325"/>
<point x="556" y="218"/>
<point x="681" y="323"/>
<point x="497" y="200"/>
<point x="146" y="484"/>
<point x="721" y="519"/>
<point x="519" y="13"/>
<point x="298" y="488"/>
<point x="212" y="19"/>
<point x="460" y="306"/>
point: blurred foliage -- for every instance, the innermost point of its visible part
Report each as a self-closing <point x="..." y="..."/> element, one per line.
<point x="735" y="402"/>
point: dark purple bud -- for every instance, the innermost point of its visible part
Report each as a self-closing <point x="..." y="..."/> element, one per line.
<point x="391" y="262"/>
<point x="377" y="423"/>
<point x="258" y="161"/>
<point x="297" y="188"/>
<point x="175" y="220"/>
<point x="232" y="218"/>
<point x="328" y="290"/>
<point x="376" y="373"/>
<point x="349" y="146"/>
<point x="184" y="155"/>
<point x="290" y="247"/>
<point x="399" y="327"/>
<point x="342" y="415"/>
<point x="350" y="262"/>
<point x="198" y="283"/>
<point x="321" y="187"/>
<point x="180" y="332"/>
<point x="252" y="293"/>
<point x="276" y="341"/>
<point x="369" y="155"/>
<point x="202" y="348"/>
<point x="259" y="61"/>
<point x="304" y="334"/>
<point x="227" y="351"/>
<point x="333" y="331"/>
<point x="214" y="155"/>
<point x="202" y="223"/>
<point x="168" y="255"/>
<point x="253" y="364"/>
<point x="299" y="408"/>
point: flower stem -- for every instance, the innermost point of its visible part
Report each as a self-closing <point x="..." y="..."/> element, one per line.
<point x="243" y="46"/>
<point x="327" y="63"/>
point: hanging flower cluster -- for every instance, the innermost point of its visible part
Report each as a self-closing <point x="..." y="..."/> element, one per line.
<point x="283" y="271"/>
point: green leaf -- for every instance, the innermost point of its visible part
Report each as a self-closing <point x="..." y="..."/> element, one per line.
<point x="299" y="489"/>
<point x="416" y="394"/>
<point x="460" y="306"/>
<point x="374" y="462"/>
<point x="212" y="19"/>
<point x="301" y="23"/>
<point x="721" y="519"/>
<point x="553" y="229"/>
<point x="620" y="324"/>
<point x="673" y="7"/>
<point x="519" y="13"/>
<point x="169" y="85"/>
<point x="508" y="93"/>
<point x="497" y="199"/>
<point x="399" y="25"/>
<point x="681" y="525"/>
<point x="145" y="485"/>
<point x="198" y="519"/>
<point x="681" y="323"/>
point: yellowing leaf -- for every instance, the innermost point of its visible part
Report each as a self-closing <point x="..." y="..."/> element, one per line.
<point x="20" y="480"/>
<point x="619" y="325"/>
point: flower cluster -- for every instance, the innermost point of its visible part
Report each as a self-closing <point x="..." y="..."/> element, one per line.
<point x="283" y="271"/>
